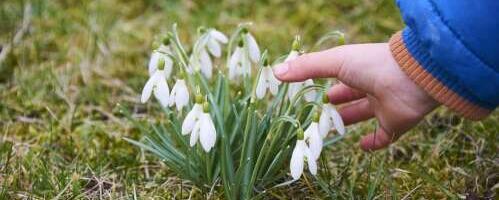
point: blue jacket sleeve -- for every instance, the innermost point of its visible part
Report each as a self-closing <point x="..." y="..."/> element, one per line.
<point x="451" y="49"/>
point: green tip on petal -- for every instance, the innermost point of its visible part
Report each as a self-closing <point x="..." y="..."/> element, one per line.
<point x="300" y="135"/>
<point x="206" y="107"/>
<point x="199" y="99"/>
<point x="161" y="64"/>
<point x="325" y="99"/>
<point x="316" y="116"/>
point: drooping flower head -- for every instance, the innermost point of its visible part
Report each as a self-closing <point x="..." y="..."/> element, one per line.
<point x="251" y="45"/>
<point x="199" y="124"/>
<point x="267" y="80"/>
<point x="210" y="41"/>
<point x="157" y="84"/>
<point x="330" y="118"/>
<point x="313" y="137"/>
<point x="161" y="51"/>
<point x="295" y="87"/>
<point x="301" y="153"/>
<point x="180" y="94"/>
<point x="239" y="63"/>
<point x="246" y="53"/>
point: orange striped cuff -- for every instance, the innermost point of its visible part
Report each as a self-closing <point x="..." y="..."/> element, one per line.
<point x="430" y="84"/>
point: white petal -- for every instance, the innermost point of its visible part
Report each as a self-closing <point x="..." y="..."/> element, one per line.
<point x="245" y="64"/>
<point x="208" y="133"/>
<point x="191" y="119"/>
<point x="195" y="134"/>
<point x="311" y="94"/>
<point x="182" y="97"/>
<point x="312" y="165"/>
<point x="161" y="91"/>
<point x="261" y="85"/>
<point x="274" y="88"/>
<point x="168" y="65"/>
<point x="173" y="95"/>
<point x="234" y="62"/>
<point x="214" y="48"/>
<point x="325" y="122"/>
<point x="296" y="164"/>
<point x="337" y="121"/>
<point x="153" y="62"/>
<point x="273" y="83"/>
<point x="314" y="140"/>
<point x="206" y="64"/>
<point x="293" y="89"/>
<point x="219" y="36"/>
<point x="235" y="58"/>
<point x="147" y="91"/>
<point x="200" y="44"/>
<point x="254" y="50"/>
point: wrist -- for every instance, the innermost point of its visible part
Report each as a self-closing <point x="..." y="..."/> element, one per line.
<point x="429" y="83"/>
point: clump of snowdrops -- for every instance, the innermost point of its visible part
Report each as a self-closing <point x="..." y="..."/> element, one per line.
<point x="230" y="123"/>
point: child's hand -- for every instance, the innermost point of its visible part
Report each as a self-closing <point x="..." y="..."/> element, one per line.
<point x="372" y="86"/>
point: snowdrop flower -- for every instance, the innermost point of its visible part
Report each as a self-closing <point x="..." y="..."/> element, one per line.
<point x="329" y="118"/>
<point x="180" y="94"/>
<point x="313" y="137"/>
<point x="213" y="41"/>
<point x="157" y="84"/>
<point x="251" y="45"/>
<point x="161" y="53"/>
<point x="199" y="124"/>
<point x="201" y="61"/>
<point x="301" y="153"/>
<point x="210" y="41"/>
<point x="267" y="80"/>
<point x="295" y="87"/>
<point x="239" y="63"/>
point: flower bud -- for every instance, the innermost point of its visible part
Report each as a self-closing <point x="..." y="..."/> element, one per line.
<point x="300" y="135"/>
<point x="325" y="99"/>
<point x="341" y="40"/>
<point x="181" y="74"/>
<point x="316" y="116"/>
<point x="206" y="107"/>
<point x="199" y="99"/>
<point x="161" y="64"/>
<point x="296" y="44"/>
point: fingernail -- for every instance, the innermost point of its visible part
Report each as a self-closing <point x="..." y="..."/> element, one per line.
<point x="281" y="69"/>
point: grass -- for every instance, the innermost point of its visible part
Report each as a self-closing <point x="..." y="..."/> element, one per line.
<point x="62" y="134"/>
